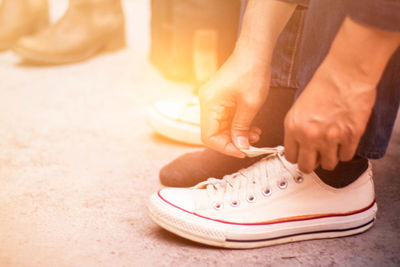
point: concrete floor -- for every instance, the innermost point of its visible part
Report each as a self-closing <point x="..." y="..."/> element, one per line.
<point x="78" y="162"/>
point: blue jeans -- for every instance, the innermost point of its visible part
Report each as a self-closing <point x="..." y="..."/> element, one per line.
<point x="301" y="48"/>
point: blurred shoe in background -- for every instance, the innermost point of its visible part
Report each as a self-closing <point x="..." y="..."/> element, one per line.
<point x="180" y="121"/>
<point x="87" y="28"/>
<point x="177" y="121"/>
<point x="189" y="41"/>
<point x="19" y="18"/>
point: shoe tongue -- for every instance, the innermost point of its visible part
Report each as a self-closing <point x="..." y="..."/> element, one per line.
<point x="274" y="169"/>
<point x="274" y="163"/>
<point x="251" y="170"/>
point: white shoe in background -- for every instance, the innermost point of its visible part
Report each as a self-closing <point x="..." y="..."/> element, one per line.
<point x="177" y="121"/>
<point x="269" y="203"/>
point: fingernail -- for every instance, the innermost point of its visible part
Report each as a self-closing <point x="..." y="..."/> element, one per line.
<point x="242" y="142"/>
<point x="234" y="151"/>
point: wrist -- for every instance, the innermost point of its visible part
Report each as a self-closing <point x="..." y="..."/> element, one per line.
<point x="252" y="57"/>
<point x="362" y="52"/>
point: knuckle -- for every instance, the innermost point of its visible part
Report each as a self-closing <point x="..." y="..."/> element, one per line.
<point x="332" y="134"/>
<point x="310" y="133"/>
<point x="250" y="101"/>
<point x="238" y="126"/>
<point x="288" y="123"/>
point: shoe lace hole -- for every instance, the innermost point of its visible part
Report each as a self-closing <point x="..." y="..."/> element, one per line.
<point x="299" y="179"/>
<point x="267" y="192"/>
<point x="282" y="184"/>
<point x="235" y="203"/>
<point x="251" y="198"/>
<point x="217" y="206"/>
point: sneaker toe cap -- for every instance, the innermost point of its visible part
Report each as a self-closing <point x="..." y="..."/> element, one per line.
<point x="181" y="198"/>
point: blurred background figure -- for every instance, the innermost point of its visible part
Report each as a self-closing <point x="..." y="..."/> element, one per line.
<point x="87" y="28"/>
<point x="19" y="18"/>
<point x="191" y="39"/>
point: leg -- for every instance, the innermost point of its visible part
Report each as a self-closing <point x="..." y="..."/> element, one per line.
<point x="19" y="18"/>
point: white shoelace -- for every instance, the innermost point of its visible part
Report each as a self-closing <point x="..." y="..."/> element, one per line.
<point x="255" y="178"/>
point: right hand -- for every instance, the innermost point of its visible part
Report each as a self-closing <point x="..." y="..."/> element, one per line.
<point x="229" y="101"/>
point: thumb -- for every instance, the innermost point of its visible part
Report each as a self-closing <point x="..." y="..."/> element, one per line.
<point x="241" y="124"/>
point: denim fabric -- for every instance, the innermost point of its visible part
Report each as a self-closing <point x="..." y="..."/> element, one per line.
<point x="382" y="14"/>
<point x="380" y="126"/>
<point x="323" y="20"/>
<point x="285" y="58"/>
<point x="285" y="62"/>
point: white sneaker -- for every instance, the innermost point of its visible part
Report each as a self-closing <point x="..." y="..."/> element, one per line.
<point x="177" y="121"/>
<point x="269" y="203"/>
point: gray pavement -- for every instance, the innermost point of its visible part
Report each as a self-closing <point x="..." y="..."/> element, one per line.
<point x="78" y="162"/>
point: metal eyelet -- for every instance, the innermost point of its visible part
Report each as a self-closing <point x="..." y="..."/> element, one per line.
<point x="299" y="179"/>
<point x="251" y="198"/>
<point x="282" y="184"/>
<point x="235" y="203"/>
<point x="266" y="192"/>
<point x="218" y="206"/>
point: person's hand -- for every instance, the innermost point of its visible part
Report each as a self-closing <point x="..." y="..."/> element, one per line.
<point x="325" y="124"/>
<point x="229" y="102"/>
<point x="233" y="96"/>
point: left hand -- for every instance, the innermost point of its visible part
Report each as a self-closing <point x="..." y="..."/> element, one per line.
<point x="325" y="124"/>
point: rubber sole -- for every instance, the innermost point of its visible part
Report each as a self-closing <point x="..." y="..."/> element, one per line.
<point x="242" y="236"/>
<point x="175" y="130"/>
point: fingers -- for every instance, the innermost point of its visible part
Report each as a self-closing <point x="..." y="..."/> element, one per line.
<point x="254" y="135"/>
<point x="291" y="147"/>
<point x="222" y="143"/>
<point x="255" y="130"/>
<point x="329" y="149"/>
<point x="309" y="147"/>
<point x="215" y="129"/>
<point x="245" y="112"/>
<point x="307" y="160"/>
<point x="329" y="157"/>
<point x="290" y="143"/>
<point x="347" y="149"/>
